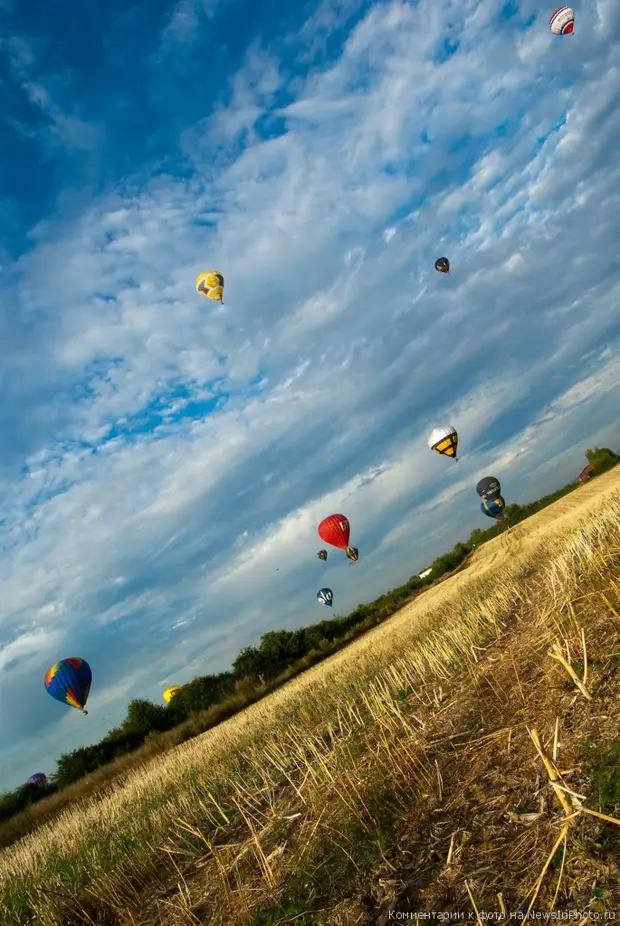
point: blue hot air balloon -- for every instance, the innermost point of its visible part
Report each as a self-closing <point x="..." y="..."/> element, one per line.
<point x="69" y="681"/>
<point x="493" y="507"/>
<point x="325" y="596"/>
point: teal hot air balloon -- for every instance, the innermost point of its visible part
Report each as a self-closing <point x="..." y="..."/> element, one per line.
<point x="325" y="596"/>
<point x="69" y="681"/>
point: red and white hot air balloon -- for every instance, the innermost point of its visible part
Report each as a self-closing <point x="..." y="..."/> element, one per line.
<point x="562" y="22"/>
<point x="335" y="530"/>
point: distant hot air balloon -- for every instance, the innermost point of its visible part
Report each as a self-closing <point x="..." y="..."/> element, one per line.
<point x="210" y="284"/>
<point x="562" y="22"/>
<point x="489" y="487"/>
<point x="325" y="596"/>
<point x="322" y="554"/>
<point x="493" y="507"/>
<point x="335" y="530"/>
<point x="444" y="440"/>
<point x="69" y="681"/>
<point x="37" y="779"/>
<point x="442" y="264"/>
<point x="169" y="693"/>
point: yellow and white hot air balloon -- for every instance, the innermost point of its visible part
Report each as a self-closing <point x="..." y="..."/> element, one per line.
<point x="210" y="284"/>
<point x="169" y="693"/>
<point x="444" y="440"/>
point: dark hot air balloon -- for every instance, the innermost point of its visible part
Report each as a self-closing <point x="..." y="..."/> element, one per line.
<point x="489" y="487"/>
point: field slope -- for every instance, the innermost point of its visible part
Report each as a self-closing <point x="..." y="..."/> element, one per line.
<point x="461" y="756"/>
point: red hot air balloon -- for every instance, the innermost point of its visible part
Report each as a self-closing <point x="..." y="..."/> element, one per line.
<point x="335" y="530"/>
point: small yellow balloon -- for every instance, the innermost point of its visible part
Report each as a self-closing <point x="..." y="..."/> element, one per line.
<point x="169" y="693"/>
<point x="210" y="284"/>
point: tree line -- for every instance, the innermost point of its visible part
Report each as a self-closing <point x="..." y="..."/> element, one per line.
<point x="256" y="670"/>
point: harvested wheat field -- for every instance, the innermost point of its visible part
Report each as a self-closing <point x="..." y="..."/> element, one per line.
<point x="463" y="757"/>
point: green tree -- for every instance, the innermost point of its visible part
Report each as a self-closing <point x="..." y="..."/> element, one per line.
<point x="74" y="765"/>
<point x="200" y="694"/>
<point x="512" y="515"/>
<point x="250" y="663"/>
<point x="280" y="649"/>
<point x="145" y="717"/>
<point x="602" y="459"/>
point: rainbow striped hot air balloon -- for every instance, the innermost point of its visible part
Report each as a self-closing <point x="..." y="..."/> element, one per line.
<point x="69" y="681"/>
<point x="37" y="779"/>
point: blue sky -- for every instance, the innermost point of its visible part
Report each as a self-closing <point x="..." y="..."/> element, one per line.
<point x="161" y="457"/>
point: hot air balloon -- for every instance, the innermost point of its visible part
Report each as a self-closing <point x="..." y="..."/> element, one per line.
<point x="69" y="681"/>
<point x="493" y="507"/>
<point x="444" y="440"/>
<point x="37" y="779"/>
<point x="489" y="487"/>
<point x="442" y="264"/>
<point x="562" y="22"/>
<point x="210" y="284"/>
<point x="169" y="693"/>
<point x="325" y="596"/>
<point x="335" y="530"/>
<point x="322" y="554"/>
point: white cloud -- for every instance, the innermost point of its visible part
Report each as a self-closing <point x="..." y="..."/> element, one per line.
<point x="141" y="531"/>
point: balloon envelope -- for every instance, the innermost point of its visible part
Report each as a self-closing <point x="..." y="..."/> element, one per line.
<point x="69" y="681"/>
<point x="322" y="554"/>
<point x="493" y="507"/>
<point x="335" y="530"/>
<point x="562" y="22"/>
<point x="444" y="440"/>
<point x="325" y="596"/>
<point x="210" y="284"/>
<point x="37" y="779"/>
<point x="169" y="693"/>
<point x="488" y="487"/>
<point x="442" y="264"/>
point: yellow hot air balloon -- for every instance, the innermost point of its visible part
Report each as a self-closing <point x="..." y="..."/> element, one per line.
<point x="169" y="693"/>
<point x="444" y="440"/>
<point x="210" y="284"/>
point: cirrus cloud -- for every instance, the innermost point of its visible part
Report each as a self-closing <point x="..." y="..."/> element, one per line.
<point x="161" y="457"/>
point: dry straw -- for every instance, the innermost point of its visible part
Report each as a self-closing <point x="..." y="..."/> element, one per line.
<point x="279" y="786"/>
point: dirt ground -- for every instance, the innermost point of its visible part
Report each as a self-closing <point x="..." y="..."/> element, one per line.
<point x="488" y="837"/>
<point x="483" y="839"/>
